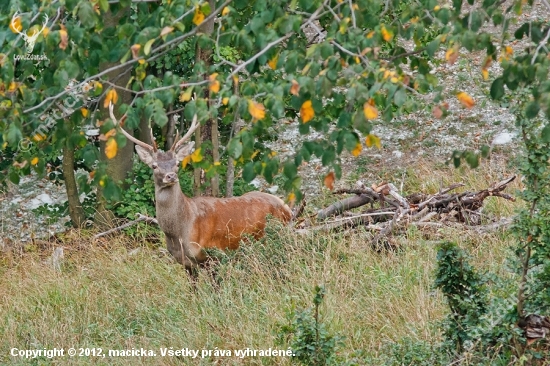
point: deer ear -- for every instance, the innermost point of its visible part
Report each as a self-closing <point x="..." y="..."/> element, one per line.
<point x="184" y="151"/>
<point x="144" y="155"/>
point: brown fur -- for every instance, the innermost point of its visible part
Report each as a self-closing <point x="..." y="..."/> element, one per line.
<point x="192" y="224"/>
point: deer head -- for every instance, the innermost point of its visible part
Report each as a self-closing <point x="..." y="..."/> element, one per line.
<point x="29" y="40"/>
<point x="164" y="164"/>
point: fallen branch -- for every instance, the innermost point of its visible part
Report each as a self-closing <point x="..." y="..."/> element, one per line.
<point x="346" y="204"/>
<point x="141" y="218"/>
<point x="397" y="212"/>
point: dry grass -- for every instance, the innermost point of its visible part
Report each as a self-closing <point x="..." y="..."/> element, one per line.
<point x="102" y="297"/>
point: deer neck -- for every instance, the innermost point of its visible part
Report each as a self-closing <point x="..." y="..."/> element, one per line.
<point x="173" y="209"/>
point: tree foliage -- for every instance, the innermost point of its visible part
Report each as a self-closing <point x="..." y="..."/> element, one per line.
<point x="332" y="66"/>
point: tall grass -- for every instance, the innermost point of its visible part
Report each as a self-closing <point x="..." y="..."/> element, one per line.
<point x="108" y="298"/>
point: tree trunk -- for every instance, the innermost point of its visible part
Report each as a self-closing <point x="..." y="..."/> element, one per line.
<point x="230" y="174"/>
<point x="119" y="166"/>
<point x="76" y="212"/>
<point x="170" y="129"/>
<point x="208" y="131"/>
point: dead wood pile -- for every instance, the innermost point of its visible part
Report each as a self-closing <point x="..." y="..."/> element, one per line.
<point x="388" y="210"/>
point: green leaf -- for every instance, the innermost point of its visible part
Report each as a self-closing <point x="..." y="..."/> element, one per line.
<point x="248" y="172"/>
<point x="86" y="14"/>
<point x="14" y="177"/>
<point x="472" y="160"/>
<point x="400" y="97"/>
<point x="497" y="88"/>
<point x="104" y="5"/>
<point x="14" y="134"/>
<point x="485" y="150"/>
<point x="545" y="134"/>
<point x="235" y="148"/>
<point x="433" y="46"/>
<point x="290" y="170"/>
<point x="532" y="109"/>
<point x="328" y="156"/>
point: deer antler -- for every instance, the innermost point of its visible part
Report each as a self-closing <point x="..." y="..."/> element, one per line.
<point x="194" y="125"/>
<point x="128" y="136"/>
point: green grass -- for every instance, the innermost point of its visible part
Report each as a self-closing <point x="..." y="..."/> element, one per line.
<point x="104" y="297"/>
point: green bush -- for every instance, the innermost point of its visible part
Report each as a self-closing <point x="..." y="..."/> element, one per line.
<point x="310" y="341"/>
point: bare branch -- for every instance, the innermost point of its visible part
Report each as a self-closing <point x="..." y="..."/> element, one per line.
<point x="253" y="58"/>
<point x="173" y="42"/>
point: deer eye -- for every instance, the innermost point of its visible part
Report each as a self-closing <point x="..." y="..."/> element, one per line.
<point x="154" y="166"/>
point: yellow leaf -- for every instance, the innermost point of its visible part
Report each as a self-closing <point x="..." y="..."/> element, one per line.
<point x="485" y="74"/>
<point x="111" y="96"/>
<point x="370" y="110"/>
<point x="84" y="112"/>
<point x="111" y="148"/>
<point x="15" y="25"/>
<point x="148" y="45"/>
<point x="34" y="161"/>
<point x="225" y="101"/>
<point x="357" y="150"/>
<point x="295" y="88"/>
<point x="141" y="61"/>
<point x="273" y="62"/>
<point x="63" y="35"/>
<point x="386" y="34"/>
<point x="217" y="163"/>
<point x="185" y="161"/>
<point x="373" y="140"/>
<point x="225" y="11"/>
<point x="291" y="197"/>
<point x="196" y="156"/>
<point x="451" y="55"/>
<point x="166" y="30"/>
<point x="466" y="100"/>
<point x="256" y="110"/>
<point x="45" y="31"/>
<point x="329" y="181"/>
<point x="186" y="95"/>
<point x="12" y="87"/>
<point x="135" y="50"/>
<point x="306" y="111"/>
<point x="370" y="34"/>
<point x="214" y="84"/>
<point x="509" y="51"/>
<point x="198" y="18"/>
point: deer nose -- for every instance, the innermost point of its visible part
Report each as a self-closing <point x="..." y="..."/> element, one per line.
<point x="171" y="176"/>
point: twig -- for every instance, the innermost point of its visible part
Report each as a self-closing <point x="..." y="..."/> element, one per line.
<point x="147" y="219"/>
<point x="253" y="58"/>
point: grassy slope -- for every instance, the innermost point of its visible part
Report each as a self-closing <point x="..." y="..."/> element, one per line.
<point x="105" y="298"/>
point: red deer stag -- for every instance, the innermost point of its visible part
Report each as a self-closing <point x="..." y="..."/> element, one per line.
<point x="193" y="224"/>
